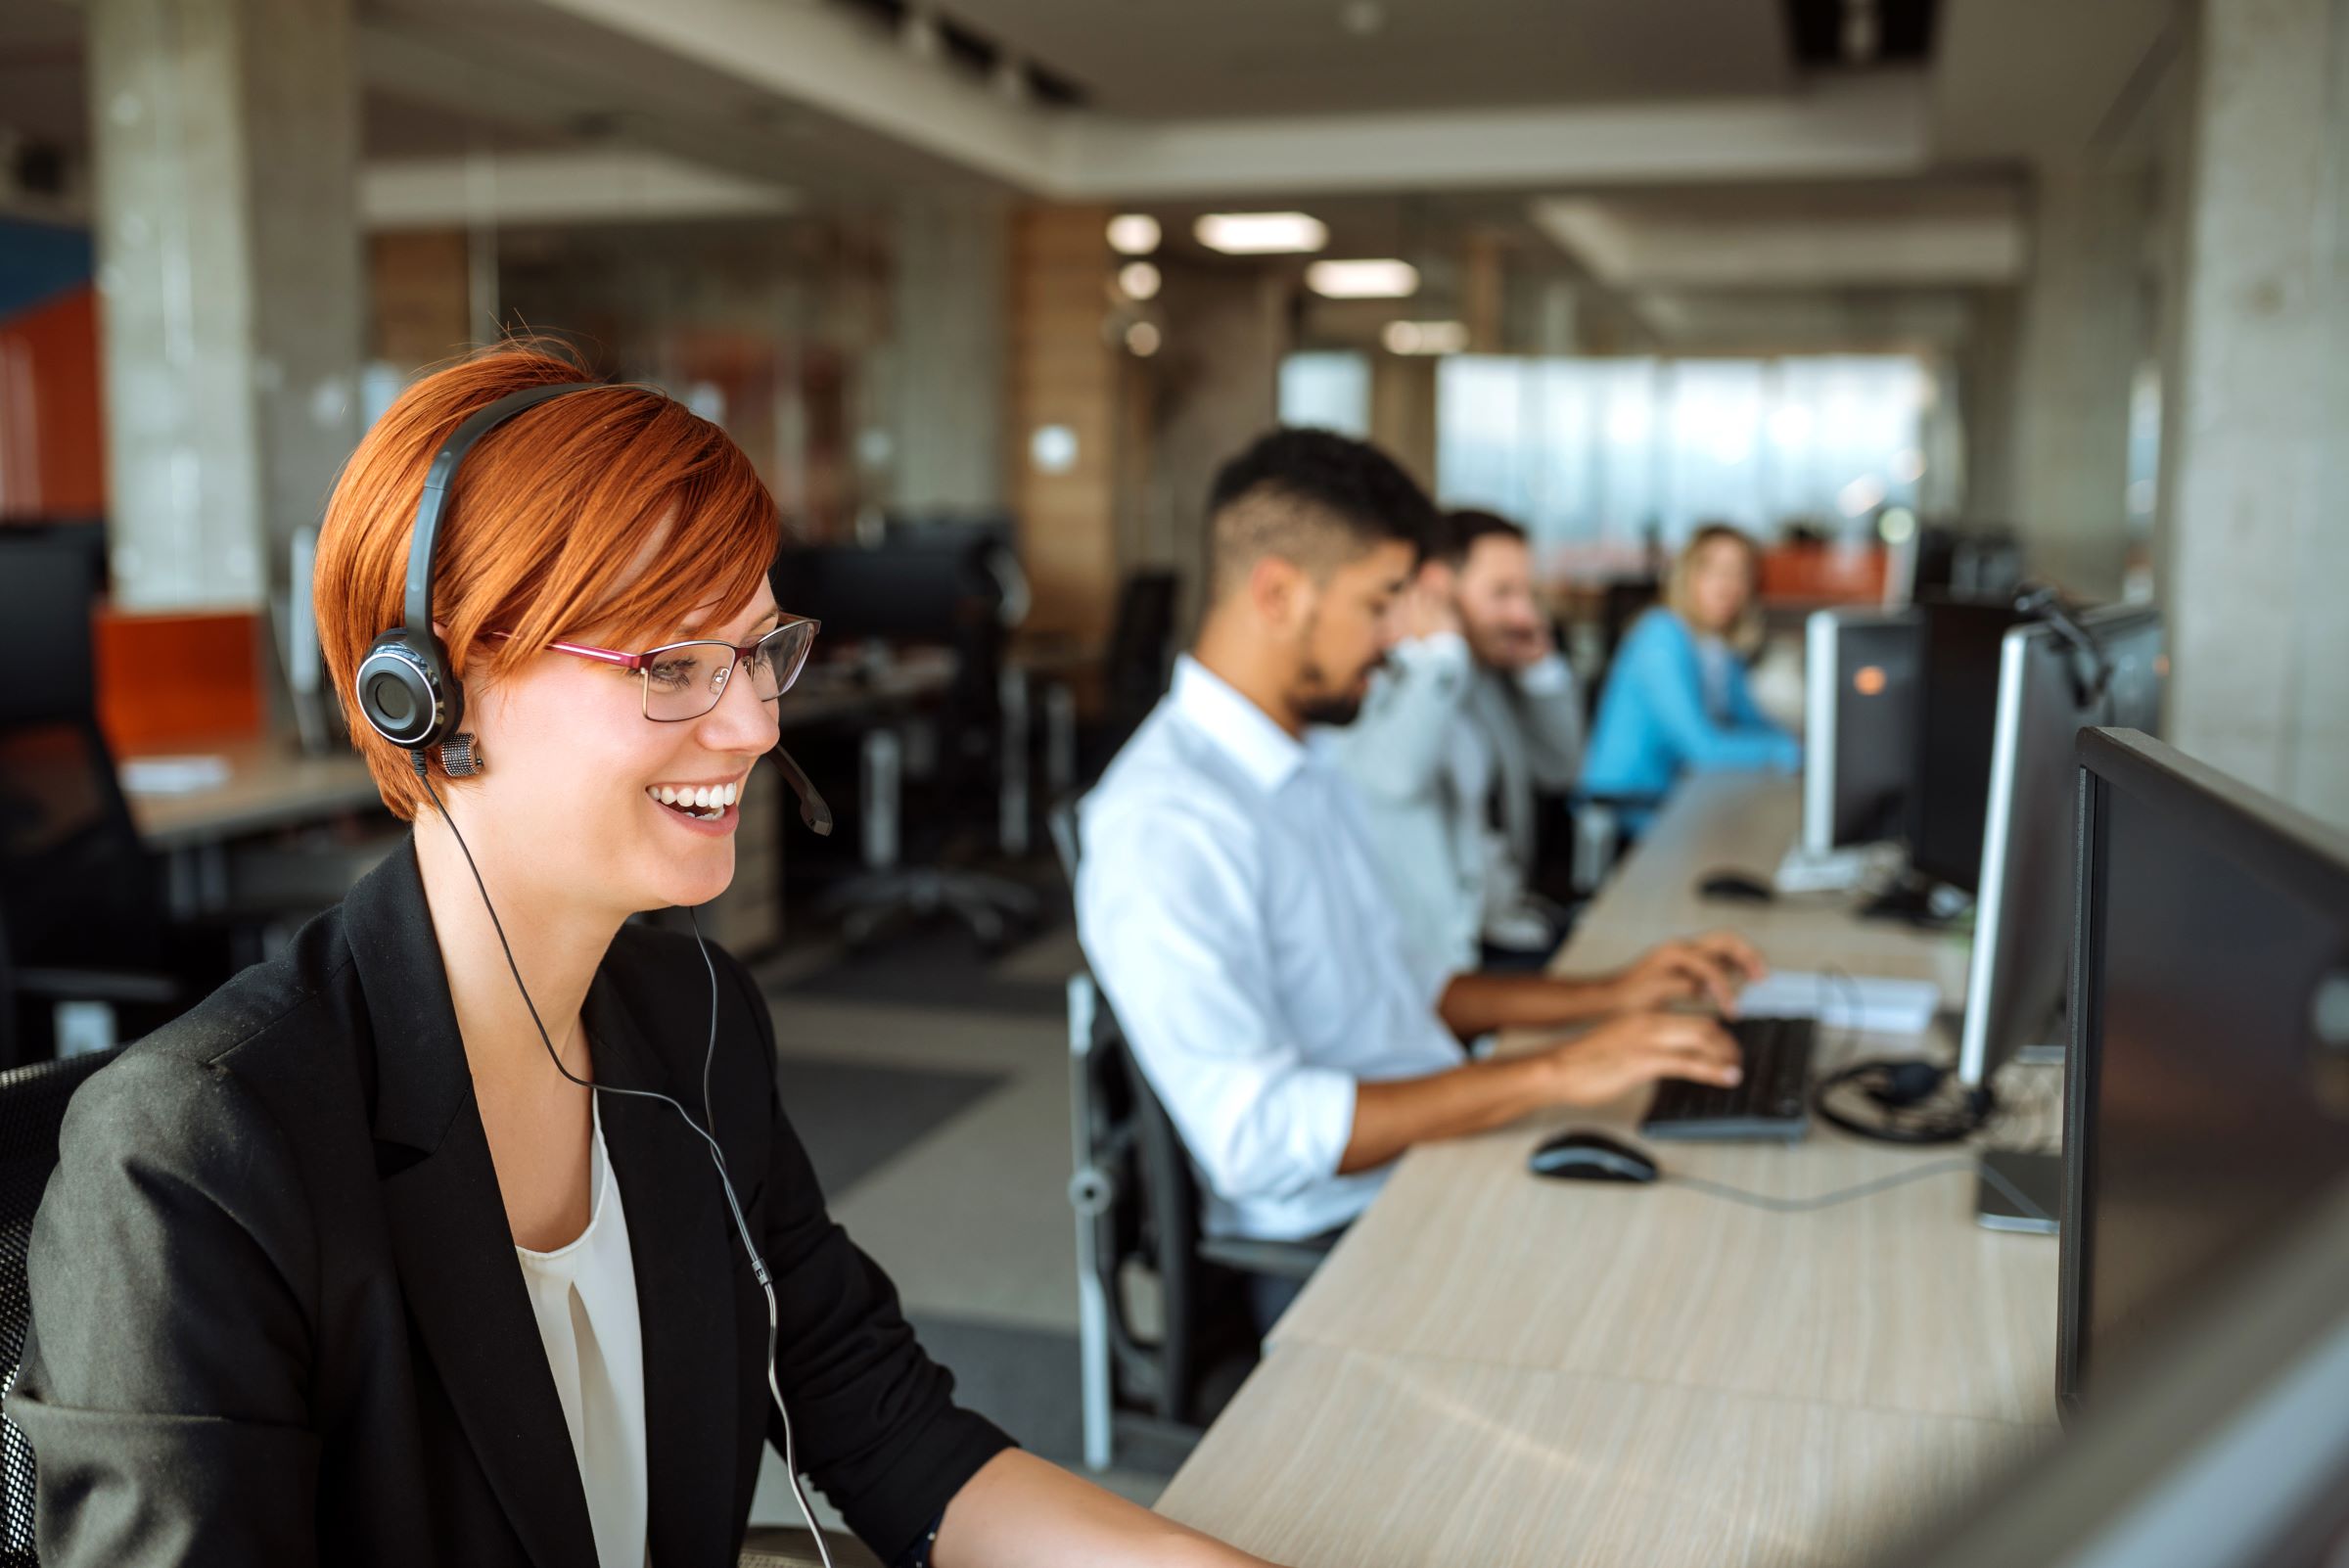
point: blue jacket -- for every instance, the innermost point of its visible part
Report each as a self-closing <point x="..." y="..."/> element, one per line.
<point x="1652" y="724"/>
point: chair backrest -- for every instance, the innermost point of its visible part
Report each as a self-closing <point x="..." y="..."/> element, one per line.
<point x="1141" y="659"/>
<point x="78" y="886"/>
<point x="1152" y="1220"/>
<point x="33" y="1106"/>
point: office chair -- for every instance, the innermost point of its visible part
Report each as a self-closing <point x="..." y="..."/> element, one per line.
<point x="1140" y="664"/>
<point x="33" y="1106"/>
<point x="80" y="900"/>
<point x="1137" y="1210"/>
<point x="915" y="590"/>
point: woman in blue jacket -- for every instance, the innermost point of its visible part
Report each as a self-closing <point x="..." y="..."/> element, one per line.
<point x="1676" y="700"/>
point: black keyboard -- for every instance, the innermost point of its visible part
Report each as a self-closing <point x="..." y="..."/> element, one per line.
<point x="1771" y="1101"/>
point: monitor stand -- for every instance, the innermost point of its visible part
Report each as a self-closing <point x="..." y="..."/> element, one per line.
<point x="1918" y="900"/>
<point x="2037" y="1177"/>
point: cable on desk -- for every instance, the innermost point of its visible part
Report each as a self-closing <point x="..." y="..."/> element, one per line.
<point x="1865" y="1189"/>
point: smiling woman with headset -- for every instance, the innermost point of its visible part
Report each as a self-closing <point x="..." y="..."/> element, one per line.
<point x="423" y="1241"/>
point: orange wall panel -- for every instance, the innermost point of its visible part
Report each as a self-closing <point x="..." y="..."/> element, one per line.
<point x="52" y="446"/>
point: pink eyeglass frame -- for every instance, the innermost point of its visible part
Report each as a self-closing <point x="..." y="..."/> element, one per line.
<point x="639" y="663"/>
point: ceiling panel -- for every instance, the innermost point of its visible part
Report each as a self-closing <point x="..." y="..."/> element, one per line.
<point x="1194" y="58"/>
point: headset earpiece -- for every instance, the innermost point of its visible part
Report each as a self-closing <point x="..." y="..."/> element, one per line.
<point x="405" y="690"/>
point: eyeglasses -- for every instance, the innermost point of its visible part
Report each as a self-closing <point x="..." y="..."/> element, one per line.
<point x="684" y="680"/>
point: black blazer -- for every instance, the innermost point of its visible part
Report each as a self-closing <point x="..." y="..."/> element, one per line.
<point x="278" y="1318"/>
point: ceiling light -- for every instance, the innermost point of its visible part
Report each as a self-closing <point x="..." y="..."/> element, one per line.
<point x="1143" y="339"/>
<point x="1138" y="280"/>
<point x="1362" y="280"/>
<point x="1425" y="337"/>
<point x="1363" y="17"/>
<point x="1134" y="234"/>
<point x="1260" y="232"/>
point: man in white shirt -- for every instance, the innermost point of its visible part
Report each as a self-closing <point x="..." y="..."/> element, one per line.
<point x="1474" y="710"/>
<point x="1228" y="899"/>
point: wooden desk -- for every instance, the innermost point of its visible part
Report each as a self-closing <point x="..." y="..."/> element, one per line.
<point x="1494" y="1368"/>
<point x="1330" y="1458"/>
<point x="270" y="784"/>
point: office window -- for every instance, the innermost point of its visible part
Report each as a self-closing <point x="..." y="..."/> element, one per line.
<point x="1327" y="390"/>
<point x="1605" y="450"/>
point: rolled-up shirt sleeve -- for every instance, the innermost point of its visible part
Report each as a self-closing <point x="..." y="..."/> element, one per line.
<point x="1172" y="917"/>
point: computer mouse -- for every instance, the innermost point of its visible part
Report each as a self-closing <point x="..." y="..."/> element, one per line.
<point x="1736" y="887"/>
<point x="1592" y="1156"/>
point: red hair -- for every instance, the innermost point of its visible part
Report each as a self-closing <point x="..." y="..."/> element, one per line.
<point x="546" y="519"/>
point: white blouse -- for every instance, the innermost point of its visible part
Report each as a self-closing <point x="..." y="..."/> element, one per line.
<point x="585" y="1297"/>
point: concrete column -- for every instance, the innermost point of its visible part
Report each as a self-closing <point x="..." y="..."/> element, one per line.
<point x="2082" y="333"/>
<point x="1219" y="388"/>
<point x="2252" y="549"/>
<point x="948" y="362"/>
<point x="1986" y="373"/>
<point x="226" y="160"/>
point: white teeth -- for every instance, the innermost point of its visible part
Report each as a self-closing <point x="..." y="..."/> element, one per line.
<point x="698" y="798"/>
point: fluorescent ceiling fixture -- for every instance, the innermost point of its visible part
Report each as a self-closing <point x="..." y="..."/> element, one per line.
<point x="1362" y="280"/>
<point x="1260" y="232"/>
<point x="1134" y="234"/>
<point x="1138" y="280"/>
<point x="1425" y="337"/>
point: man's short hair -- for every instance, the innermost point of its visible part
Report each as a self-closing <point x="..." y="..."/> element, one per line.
<point x="1313" y="498"/>
<point x="1456" y="533"/>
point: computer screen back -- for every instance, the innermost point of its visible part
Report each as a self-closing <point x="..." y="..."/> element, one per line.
<point x="2047" y="690"/>
<point x="2208" y="1079"/>
<point x="1860" y="735"/>
<point x="1957" y="702"/>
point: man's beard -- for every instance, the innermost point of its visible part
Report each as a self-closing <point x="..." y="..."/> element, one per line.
<point x="1316" y="703"/>
<point x="1333" y="709"/>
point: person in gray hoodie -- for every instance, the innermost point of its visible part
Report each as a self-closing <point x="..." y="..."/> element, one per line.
<point x="1475" y="711"/>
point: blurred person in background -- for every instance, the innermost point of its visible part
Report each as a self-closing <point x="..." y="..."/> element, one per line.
<point x="1229" y="902"/>
<point x="1475" y="710"/>
<point x="1678" y="698"/>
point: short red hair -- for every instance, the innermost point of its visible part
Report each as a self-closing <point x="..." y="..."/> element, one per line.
<point x="546" y="517"/>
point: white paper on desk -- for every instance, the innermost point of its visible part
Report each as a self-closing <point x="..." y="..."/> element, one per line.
<point x="1870" y="1004"/>
<point x="173" y="775"/>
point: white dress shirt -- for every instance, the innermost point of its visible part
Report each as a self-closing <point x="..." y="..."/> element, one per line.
<point x="1228" y="903"/>
<point x="585" y="1297"/>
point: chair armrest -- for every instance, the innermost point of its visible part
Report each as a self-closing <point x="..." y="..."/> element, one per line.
<point x="96" y="984"/>
<point x="1277" y="1259"/>
<point x="783" y="1547"/>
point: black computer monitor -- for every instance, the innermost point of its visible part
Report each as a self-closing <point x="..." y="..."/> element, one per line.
<point x="905" y="591"/>
<point x="1958" y="686"/>
<point x="1858" y="725"/>
<point x="2207" y="1085"/>
<point x="48" y="586"/>
<point x="2232" y="1452"/>
<point x="2049" y="690"/>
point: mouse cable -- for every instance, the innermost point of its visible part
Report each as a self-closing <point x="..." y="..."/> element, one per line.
<point x="1865" y="1189"/>
<point x="717" y="1155"/>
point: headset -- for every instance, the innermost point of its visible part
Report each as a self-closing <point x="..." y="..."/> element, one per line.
<point x="408" y="695"/>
